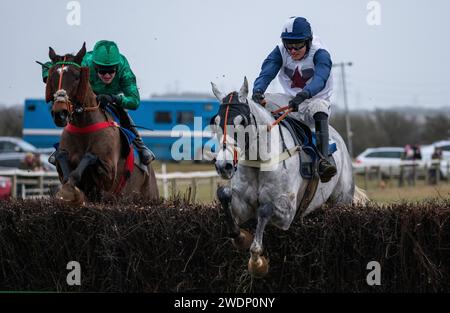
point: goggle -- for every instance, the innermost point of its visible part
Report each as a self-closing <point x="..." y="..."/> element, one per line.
<point x="296" y="46"/>
<point x="105" y="70"/>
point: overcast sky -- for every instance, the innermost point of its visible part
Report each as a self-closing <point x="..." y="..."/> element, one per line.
<point x="182" y="45"/>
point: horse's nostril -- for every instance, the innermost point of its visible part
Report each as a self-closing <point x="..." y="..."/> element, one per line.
<point x="63" y="115"/>
<point x="228" y="167"/>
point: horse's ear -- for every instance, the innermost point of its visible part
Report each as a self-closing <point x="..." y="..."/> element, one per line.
<point x="83" y="85"/>
<point x="52" y="55"/>
<point x="80" y="55"/>
<point x="48" y="87"/>
<point x="217" y="92"/>
<point x="243" y="93"/>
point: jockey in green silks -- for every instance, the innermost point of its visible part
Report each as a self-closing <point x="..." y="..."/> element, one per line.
<point x="114" y="83"/>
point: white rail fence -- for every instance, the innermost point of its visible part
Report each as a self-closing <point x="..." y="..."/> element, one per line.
<point x="40" y="184"/>
<point x="405" y="173"/>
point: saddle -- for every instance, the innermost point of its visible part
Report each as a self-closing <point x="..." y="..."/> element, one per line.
<point x="127" y="138"/>
<point x="306" y="139"/>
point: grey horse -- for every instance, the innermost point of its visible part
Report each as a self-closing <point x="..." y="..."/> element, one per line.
<point x="268" y="188"/>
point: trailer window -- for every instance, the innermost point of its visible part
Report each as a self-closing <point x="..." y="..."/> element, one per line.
<point x="208" y="107"/>
<point x="185" y="117"/>
<point x="163" y="117"/>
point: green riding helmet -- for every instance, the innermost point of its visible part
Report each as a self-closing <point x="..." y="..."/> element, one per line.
<point x="106" y="53"/>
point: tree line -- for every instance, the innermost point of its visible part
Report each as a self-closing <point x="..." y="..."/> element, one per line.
<point x="391" y="128"/>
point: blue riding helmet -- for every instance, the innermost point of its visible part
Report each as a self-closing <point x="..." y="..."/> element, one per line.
<point x="297" y="28"/>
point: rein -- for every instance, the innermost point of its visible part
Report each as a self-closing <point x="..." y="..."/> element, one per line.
<point x="285" y="155"/>
<point x="286" y="111"/>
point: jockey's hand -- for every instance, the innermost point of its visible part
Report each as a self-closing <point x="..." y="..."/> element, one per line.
<point x="105" y="99"/>
<point x="258" y="97"/>
<point x="298" y="99"/>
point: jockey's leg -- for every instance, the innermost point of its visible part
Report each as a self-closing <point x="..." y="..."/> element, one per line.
<point x="147" y="156"/>
<point x="325" y="168"/>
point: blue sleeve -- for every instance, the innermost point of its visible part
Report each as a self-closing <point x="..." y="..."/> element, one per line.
<point x="269" y="69"/>
<point x="322" y="65"/>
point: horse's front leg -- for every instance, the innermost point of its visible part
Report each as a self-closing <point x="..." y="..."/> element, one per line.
<point x="62" y="159"/>
<point x="87" y="160"/>
<point x="258" y="265"/>
<point x="69" y="192"/>
<point x="241" y="238"/>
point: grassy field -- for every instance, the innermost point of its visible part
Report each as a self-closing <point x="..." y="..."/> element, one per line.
<point x="385" y="192"/>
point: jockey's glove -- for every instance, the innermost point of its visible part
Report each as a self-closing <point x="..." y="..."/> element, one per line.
<point x="105" y="99"/>
<point x="298" y="99"/>
<point x="258" y="97"/>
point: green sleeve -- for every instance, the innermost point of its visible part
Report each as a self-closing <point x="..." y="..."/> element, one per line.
<point x="87" y="60"/>
<point x="45" y="70"/>
<point x="130" y="97"/>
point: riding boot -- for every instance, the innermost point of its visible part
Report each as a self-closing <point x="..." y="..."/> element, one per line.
<point x="325" y="168"/>
<point x="52" y="158"/>
<point x="147" y="156"/>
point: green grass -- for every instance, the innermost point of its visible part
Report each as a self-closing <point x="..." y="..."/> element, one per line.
<point x="388" y="191"/>
<point x="385" y="192"/>
<point x="183" y="166"/>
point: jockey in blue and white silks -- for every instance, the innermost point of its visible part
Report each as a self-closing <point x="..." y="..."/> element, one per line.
<point x="303" y="66"/>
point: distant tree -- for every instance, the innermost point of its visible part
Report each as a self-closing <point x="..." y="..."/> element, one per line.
<point x="11" y="121"/>
<point x="398" y="130"/>
<point x="435" y="128"/>
<point x="364" y="130"/>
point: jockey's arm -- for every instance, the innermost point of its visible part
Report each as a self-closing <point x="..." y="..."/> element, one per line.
<point x="130" y="94"/>
<point x="322" y="70"/>
<point x="45" y="70"/>
<point x="269" y="70"/>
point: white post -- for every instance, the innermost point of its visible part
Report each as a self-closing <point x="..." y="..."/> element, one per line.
<point x="165" y="181"/>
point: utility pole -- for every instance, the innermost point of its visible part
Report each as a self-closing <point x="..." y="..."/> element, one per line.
<point x="342" y="65"/>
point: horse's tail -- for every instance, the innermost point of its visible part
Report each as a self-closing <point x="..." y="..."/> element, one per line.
<point x="360" y="197"/>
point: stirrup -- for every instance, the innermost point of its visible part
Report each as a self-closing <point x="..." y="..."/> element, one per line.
<point x="147" y="156"/>
<point x="52" y="158"/>
<point x="330" y="171"/>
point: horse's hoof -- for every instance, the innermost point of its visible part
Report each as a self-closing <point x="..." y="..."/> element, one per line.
<point x="70" y="195"/>
<point x="258" y="268"/>
<point x="243" y="241"/>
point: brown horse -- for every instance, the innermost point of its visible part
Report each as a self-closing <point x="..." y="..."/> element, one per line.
<point x="92" y="158"/>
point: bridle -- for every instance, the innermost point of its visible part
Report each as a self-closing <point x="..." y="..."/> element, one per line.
<point x="282" y="114"/>
<point x="224" y="143"/>
<point x="61" y="98"/>
<point x="236" y="151"/>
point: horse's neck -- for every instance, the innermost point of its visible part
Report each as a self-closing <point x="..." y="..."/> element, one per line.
<point x="264" y="118"/>
<point x="91" y="99"/>
<point x="261" y="115"/>
<point x="89" y="117"/>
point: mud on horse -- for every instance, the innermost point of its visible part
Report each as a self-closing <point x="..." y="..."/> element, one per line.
<point x="91" y="139"/>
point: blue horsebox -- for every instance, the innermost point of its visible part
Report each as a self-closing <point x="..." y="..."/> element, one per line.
<point x="164" y="122"/>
